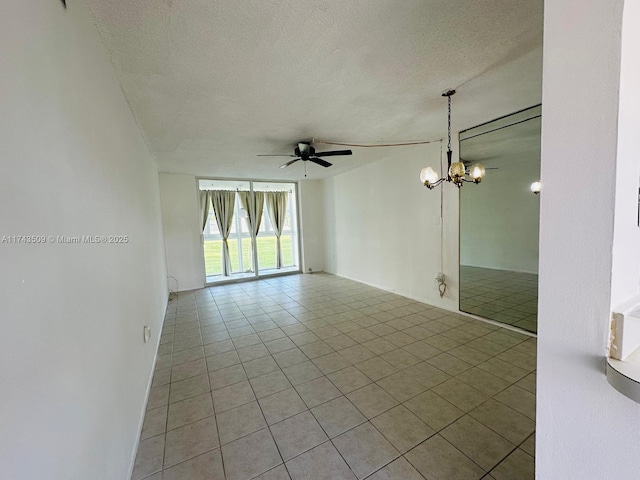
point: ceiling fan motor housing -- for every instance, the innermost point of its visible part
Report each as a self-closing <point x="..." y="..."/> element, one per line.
<point x="304" y="150"/>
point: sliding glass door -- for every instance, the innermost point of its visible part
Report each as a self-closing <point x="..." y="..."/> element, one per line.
<point x="238" y="237"/>
<point x="272" y="225"/>
<point x="243" y="221"/>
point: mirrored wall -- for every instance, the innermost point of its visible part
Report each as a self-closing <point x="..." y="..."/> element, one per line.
<point x="499" y="221"/>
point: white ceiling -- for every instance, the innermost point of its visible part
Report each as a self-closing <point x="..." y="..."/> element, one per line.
<point x="212" y="83"/>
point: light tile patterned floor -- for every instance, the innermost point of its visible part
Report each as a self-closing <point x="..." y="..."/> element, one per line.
<point x="500" y="295"/>
<point x="317" y="377"/>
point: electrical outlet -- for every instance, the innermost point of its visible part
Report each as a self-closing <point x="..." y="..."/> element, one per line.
<point x="146" y="333"/>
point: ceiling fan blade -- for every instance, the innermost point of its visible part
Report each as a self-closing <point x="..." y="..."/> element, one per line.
<point x="289" y="163"/>
<point x="276" y="155"/>
<point x="333" y="153"/>
<point x="485" y="159"/>
<point x="319" y="161"/>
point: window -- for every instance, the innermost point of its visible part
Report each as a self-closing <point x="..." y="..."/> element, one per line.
<point x="240" y="240"/>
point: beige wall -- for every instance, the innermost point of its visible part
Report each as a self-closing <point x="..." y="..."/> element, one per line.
<point x="182" y="233"/>
<point x="312" y="225"/>
<point x="382" y="226"/>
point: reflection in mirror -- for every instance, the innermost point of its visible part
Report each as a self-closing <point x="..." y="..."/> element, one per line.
<point x="499" y="221"/>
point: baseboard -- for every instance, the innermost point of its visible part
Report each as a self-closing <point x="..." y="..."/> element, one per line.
<point x="132" y="462"/>
<point x="411" y="297"/>
<point x="456" y="311"/>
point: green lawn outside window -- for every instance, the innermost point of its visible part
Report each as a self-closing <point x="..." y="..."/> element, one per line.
<point x="266" y="254"/>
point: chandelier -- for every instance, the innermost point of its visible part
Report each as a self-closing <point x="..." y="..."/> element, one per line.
<point x="456" y="172"/>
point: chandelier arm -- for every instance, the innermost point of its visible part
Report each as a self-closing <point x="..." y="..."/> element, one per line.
<point x="471" y="181"/>
<point x="440" y="181"/>
<point x="431" y="185"/>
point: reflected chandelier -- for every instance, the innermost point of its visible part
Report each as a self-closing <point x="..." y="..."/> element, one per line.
<point x="456" y="171"/>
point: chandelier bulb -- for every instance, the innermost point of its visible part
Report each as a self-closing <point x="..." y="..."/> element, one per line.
<point x="428" y="176"/>
<point x="477" y="172"/>
<point x="456" y="170"/>
<point x="535" y="187"/>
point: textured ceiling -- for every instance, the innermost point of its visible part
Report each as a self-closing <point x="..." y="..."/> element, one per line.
<point x="212" y="83"/>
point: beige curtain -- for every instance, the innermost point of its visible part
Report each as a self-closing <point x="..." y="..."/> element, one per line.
<point x="205" y="202"/>
<point x="223" y="202"/>
<point x="277" y="209"/>
<point x="254" y="216"/>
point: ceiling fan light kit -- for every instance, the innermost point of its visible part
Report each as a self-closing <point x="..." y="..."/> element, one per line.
<point x="456" y="171"/>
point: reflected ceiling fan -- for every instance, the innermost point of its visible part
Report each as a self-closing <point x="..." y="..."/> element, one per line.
<point x="305" y="152"/>
<point x="467" y="163"/>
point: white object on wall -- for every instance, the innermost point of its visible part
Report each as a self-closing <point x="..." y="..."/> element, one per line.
<point x="146" y="333"/>
<point x="625" y="330"/>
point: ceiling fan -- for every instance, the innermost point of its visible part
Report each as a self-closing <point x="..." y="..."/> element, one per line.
<point x="305" y="152"/>
<point x="467" y="163"/>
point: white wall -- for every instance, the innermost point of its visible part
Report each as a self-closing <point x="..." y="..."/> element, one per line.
<point x="182" y="233"/>
<point x="499" y="219"/>
<point x="381" y="226"/>
<point x="625" y="276"/>
<point x="312" y="224"/>
<point x="585" y="428"/>
<point x="73" y="366"/>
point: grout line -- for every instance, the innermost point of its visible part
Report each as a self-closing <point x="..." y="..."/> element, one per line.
<point x="250" y="299"/>
<point x="213" y="407"/>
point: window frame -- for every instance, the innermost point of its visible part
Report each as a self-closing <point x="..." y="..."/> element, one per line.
<point x="292" y="219"/>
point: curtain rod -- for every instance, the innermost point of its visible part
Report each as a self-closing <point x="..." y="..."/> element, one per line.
<point x="238" y="190"/>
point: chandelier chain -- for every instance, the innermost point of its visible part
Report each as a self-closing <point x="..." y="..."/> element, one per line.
<point x="449" y="123"/>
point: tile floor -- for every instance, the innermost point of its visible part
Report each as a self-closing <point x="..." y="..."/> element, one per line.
<point x="317" y="377"/>
<point x="501" y="295"/>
